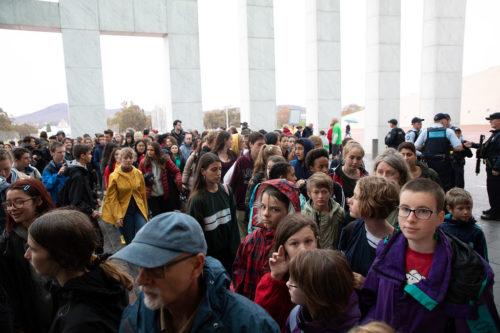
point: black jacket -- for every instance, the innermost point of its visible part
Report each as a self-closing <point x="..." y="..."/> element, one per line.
<point x="77" y="191"/>
<point x="395" y="137"/>
<point x="89" y="303"/>
<point x="307" y="132"/>
<point x="28" y="303"/>
<point x="179" y="137"/>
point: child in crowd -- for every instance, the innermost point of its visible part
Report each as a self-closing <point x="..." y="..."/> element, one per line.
<point x="177" y="157"/>
<point x="302" y="147"/>
<point x="321" y="283"/>
<point x="327" y="213"/>
<point x="294" y="234"/>
<point x="275" y="199"/>
<point x="351" y="170"/>
<point x="261" y="177"/>
<point x="241" y="174"/>
<point x="425" y="281"/>
<point x="373" y="200"/>
<point x="259" y="173"/>
<point x="460" y="222"/>
<point x="317" y="161"/>
<point x="283" y="170"/>
<point x="212" y="204"/>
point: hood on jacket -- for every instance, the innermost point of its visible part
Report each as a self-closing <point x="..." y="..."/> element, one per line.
<point x="73" y="168"/>
<point x="284" y="186"/>
<point x="93" y="285"/>
<point x="300" y="170"/>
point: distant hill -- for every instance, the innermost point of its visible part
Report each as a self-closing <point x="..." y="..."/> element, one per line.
<point x="53" y="115"/>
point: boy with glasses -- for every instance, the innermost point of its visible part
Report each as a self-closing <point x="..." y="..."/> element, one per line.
<point x="425" y="280"/>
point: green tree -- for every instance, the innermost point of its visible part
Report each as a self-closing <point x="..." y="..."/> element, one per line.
<point x="5" y="122"/>
<point x="26" y="130"/>
<point x="131" y="115"/>
<point x="48" y="129"/>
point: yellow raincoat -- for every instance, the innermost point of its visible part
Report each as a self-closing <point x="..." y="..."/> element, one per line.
<point x="122" y="186"/>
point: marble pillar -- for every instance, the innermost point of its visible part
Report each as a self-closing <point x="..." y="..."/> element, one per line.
<point x="382" y="70"/>
<point x="442" y="59"/>
<point x="323" y="88"/>
<point x="82" y="60"/>
<point x="257" y="67"/>
<point x="183" y="64"/>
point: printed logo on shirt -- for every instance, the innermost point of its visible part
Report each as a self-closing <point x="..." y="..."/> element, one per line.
<point x="219" y="218"/>
<point x="414" y="276"/>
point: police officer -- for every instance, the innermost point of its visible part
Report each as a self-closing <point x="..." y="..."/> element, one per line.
<point x="395" y="136"/>
<point x="414" y="132"/>
<point x="435" y="143"/>
<point x="492" y="156"/>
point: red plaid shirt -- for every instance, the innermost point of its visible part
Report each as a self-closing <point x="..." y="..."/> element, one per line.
<point x="251" y="258"/>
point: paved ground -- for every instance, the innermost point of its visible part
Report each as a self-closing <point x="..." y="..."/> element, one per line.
<point x="475" y="184"/>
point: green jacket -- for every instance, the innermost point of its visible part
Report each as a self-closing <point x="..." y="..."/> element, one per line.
<point x="330" y="224"/>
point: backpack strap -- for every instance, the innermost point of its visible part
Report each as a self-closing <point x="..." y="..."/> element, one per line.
<point x="225" y="188"/>
<point x="292" y="319"/>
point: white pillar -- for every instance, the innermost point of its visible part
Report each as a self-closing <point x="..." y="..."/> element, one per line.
<point x="182" y="53"/>
<point x="82" y="60"/>
<point x="257" y="68"/>
<point x="382" y="69"/>
<point x="323" y="88"/>
<point x="442" y="59"/>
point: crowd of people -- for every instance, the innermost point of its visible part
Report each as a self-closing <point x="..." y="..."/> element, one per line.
<point x="246" y="231"/>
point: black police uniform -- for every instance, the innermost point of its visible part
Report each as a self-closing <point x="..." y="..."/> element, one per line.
<point x="492" y="156"/>
<point x="395" y="137"/>
<point x="437" y="155"/>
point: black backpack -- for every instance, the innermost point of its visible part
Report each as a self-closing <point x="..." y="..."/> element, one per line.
<point x="400" y="136"/>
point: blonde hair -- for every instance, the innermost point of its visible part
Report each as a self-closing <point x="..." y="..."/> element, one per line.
<point x="265" y="152"/>
<point x="316" y="140"/>
<point x="350" y="146"/>
<point x="128" y="152"/>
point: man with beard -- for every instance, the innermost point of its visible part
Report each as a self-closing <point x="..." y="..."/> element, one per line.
<point x="182" y="289"/>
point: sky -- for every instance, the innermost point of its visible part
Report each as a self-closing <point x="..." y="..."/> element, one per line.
<point x="33" y="77"/>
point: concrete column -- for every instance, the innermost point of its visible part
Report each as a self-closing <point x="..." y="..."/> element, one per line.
<point x="382" y="69"/>
<point x="257" y="68"/>
<point x="82" y="60"/>
<point x="322" y="63"/>
<point x="442" y="59"/>
<point x="183" y="64"/>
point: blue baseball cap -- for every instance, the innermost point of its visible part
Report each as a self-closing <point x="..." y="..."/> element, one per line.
<point x="163" y="239"/>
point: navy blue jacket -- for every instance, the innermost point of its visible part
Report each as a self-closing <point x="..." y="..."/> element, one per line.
<point x="221" y="310"/>
<point x="468" y="232"/>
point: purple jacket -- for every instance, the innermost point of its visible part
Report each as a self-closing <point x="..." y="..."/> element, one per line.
<point x="239" y="181"/>
<point x="300" y="319"/>
<point x="456" y="296"/>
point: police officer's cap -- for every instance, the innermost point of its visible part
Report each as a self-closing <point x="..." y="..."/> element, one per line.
<point x="417" y="120"/>
<point x="441" y="116"/>
<point x="393" y="121"/>
<point x="495" y="115"/>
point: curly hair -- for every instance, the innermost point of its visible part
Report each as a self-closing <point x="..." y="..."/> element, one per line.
<point x="378" y="197"/>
